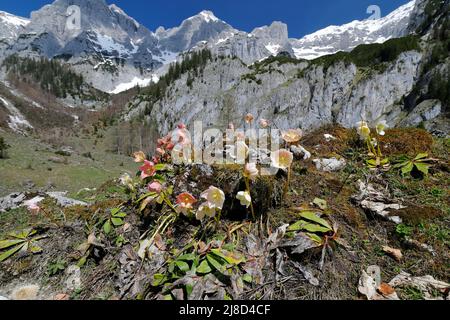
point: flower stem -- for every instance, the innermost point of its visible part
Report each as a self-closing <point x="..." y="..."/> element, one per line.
<point x="164" y="225"/>
<point x="288" y="181"/>
<point x="247" y="184"/>
<point x="167" y="201"/>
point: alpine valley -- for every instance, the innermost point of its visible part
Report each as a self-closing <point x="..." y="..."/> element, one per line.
<point x="395" y="68"/>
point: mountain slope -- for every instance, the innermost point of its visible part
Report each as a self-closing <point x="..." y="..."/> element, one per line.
<point x="115" y="52"/>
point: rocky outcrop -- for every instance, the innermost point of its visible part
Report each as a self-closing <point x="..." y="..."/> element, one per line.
<point x="292" y="95"/>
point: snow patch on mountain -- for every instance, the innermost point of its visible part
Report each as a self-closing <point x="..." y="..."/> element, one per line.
<point x="13" y="20"/>
<point x="17" y="121"/>
<point x="133" y="83"/>
<point x="11" y="26"/>
<point x="273" y="48"/>
<point x="108" y="44"/>
<point x="166" y="57"/>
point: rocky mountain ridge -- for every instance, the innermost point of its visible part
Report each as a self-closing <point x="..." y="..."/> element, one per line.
<point x="115" y="52"/>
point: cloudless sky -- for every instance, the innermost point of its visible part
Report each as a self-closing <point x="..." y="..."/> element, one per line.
<point x="302" y="16"/>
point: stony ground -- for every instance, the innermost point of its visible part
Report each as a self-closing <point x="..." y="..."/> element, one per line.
<point x="237" y="257"/>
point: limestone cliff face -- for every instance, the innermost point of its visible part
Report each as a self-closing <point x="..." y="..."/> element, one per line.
<point x="303" y="94"/>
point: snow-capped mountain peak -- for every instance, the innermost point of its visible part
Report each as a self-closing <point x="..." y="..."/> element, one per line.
<point x="119" y="11"/>
<point x="11" y="25"/>
<point x="13" y="20"/>
<point x="346" y="37"/>
<point x="207" y="15"/>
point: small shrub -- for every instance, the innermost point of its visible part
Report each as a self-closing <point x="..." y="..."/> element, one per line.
<point x="3" y="147"/>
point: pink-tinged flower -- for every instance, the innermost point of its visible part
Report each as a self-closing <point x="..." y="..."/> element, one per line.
<point x="181" y="126"/>
<point x="161" y="142"/>
<point x="147" y="170"/>
<point x="155" y="186"/>
<point x="249" y="118"/>
<point x="160" y="151"/>
<point x="215" y="197"/>
<point x="155" y="160"/>
<point x="181" y="136"/>
<point x="205" y="210"/>
<point x="34" y="209"/>
<point x="264" y="123"/>
<point x="240" y="136"/>
<point x="170" y="146"/>
<point x="292" y="135"/>
<point x="185" y="203"/>
<point x="251" y="171"/>
<point x="139" y="157"/>
<point x="282" y="159"/>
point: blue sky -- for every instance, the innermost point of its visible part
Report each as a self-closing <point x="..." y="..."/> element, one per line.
<point x="302" y="16"/>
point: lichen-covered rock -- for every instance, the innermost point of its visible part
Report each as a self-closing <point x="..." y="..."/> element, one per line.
<point x="330" y="165"/>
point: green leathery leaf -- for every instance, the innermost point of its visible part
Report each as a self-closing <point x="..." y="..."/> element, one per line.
<point x="231" y="258"/>
<point x="308" y="215"/>
<point x="216" y="264"/>
<point x="423" y="167"/>
<point x="10" y="252"/>
<point x="204" y="267"/>
<point x="183" y="266"/>
<point x="408" y="168"/>
<point x="117" y="222"/>
<point x="107" y="227"/>
<point x="9" y="243"/>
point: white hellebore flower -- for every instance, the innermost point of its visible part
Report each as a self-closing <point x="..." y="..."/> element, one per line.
<point x="126" y="181"/>
<point x="381" y="127"/>
<point x="282" y="159"/>
<point x="251" y="171"/>
<point x="215" y="197"/>
<point x="241" y="151"/>
<point x="363" y="130"/>
<point x="205" y="210"/>
<point x="245" y="198"/>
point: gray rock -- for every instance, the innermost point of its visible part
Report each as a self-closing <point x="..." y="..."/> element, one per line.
<point x="73" y="281"/>
<point x="26" y="292"/>
<point x="330" y="165"/>
<point x="426" y="111"/>
<point x="28" y="184"/>
<point x="300" y="152"/>
<point x="63" y="201"/>
<point x="57" y="160"/>
<point x="12" y="201"/>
